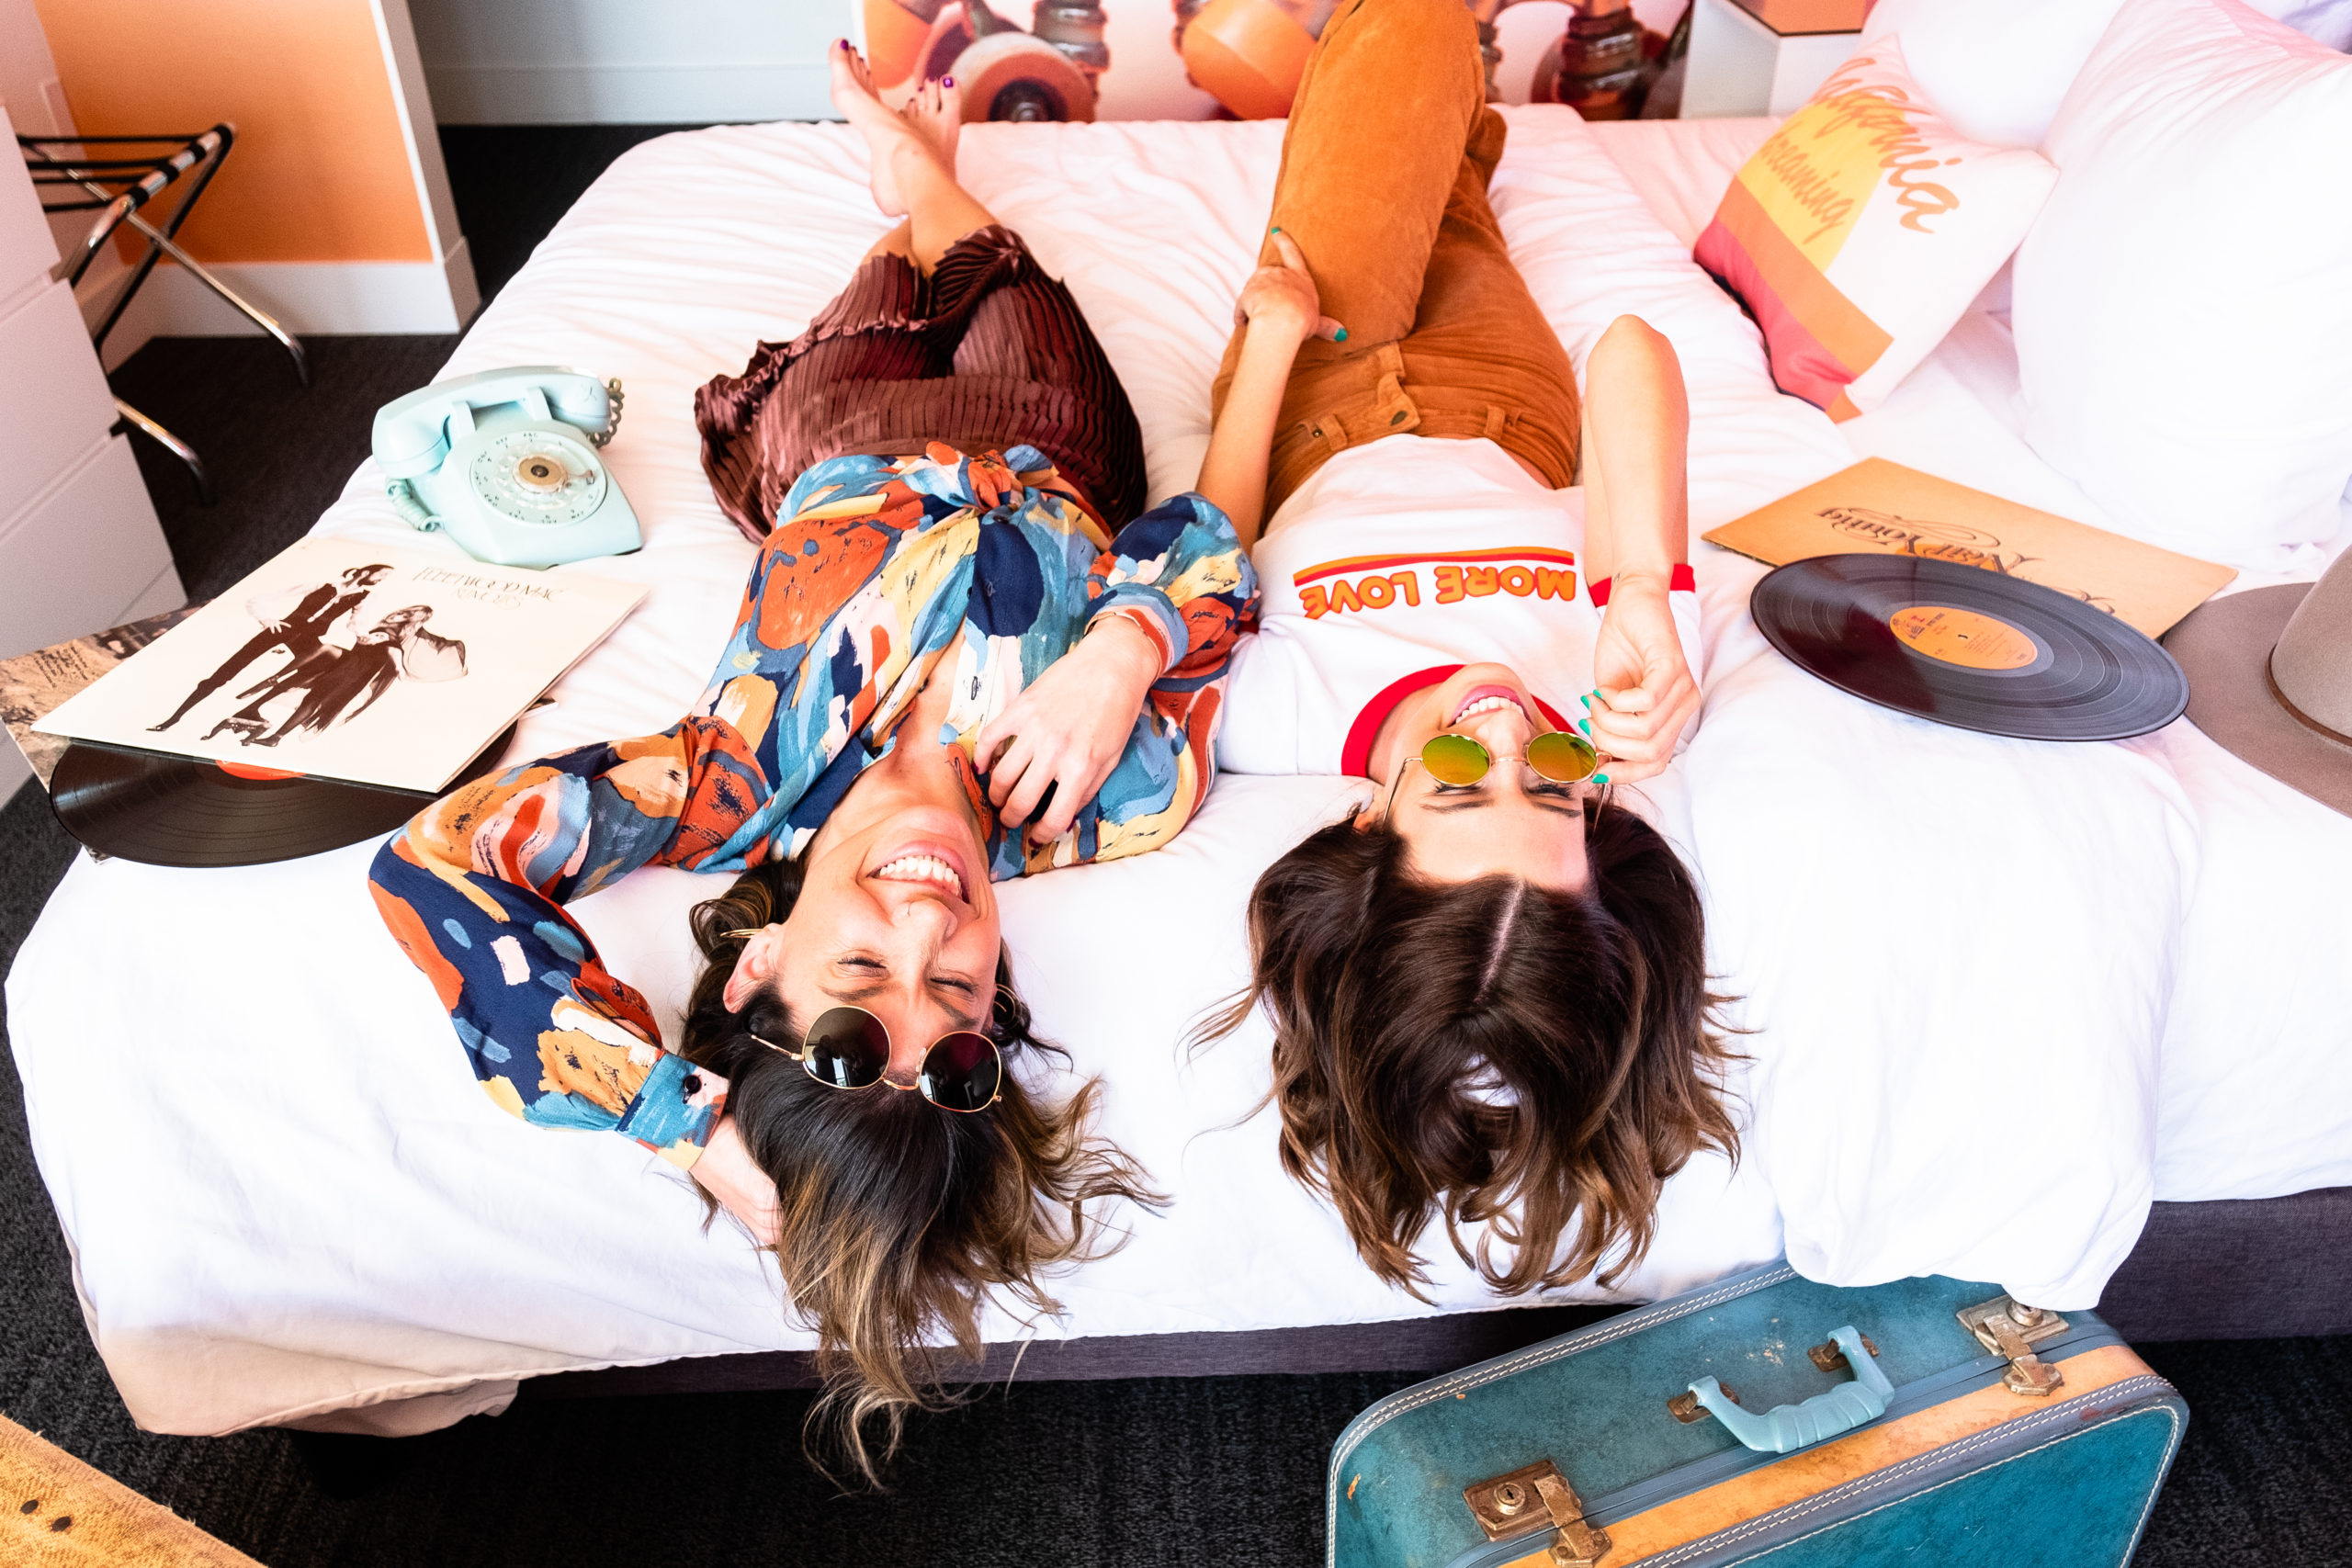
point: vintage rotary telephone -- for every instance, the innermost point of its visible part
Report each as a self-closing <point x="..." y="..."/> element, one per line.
<point x="504" y="462"/>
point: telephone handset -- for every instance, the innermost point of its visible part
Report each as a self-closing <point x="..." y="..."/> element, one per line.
<point x="504" y="462"/>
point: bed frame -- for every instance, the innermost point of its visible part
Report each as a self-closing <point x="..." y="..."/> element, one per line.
<point x="2254" y="1268"/>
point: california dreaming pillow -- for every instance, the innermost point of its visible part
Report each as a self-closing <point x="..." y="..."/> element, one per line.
<point x="1861" y="231"/>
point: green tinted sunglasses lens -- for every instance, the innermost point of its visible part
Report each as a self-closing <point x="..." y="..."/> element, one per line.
<point x="1561" y="757"/>
<point x="1455" y="758"/>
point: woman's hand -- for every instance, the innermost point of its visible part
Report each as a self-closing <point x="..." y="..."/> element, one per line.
<point x="727" y="1173"/>
<point x="1281" y="300"/>
<point x="1067" y="730"/>
<point x="1646" y="692"/>
<point x="1278" y="309"/>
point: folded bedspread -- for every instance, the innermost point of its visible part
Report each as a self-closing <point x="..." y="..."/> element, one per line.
<point x="1971" y="969"/>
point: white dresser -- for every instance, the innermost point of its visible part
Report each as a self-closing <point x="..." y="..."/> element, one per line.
<point x="79" y="550"/>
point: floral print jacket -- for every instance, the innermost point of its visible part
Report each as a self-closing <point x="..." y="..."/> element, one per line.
<point x="881" y="569"/>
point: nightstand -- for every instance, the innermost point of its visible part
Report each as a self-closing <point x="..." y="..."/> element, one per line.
<point x="1752" y="57"/>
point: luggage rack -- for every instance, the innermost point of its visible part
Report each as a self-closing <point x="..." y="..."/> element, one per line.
<point x="71" y="177"/>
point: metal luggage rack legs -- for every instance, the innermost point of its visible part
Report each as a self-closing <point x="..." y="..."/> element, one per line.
<point x="71" y="179"/>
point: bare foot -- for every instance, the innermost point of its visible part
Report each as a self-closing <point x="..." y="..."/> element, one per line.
<point x="935" y="113"/>
<point x="889" y="139"/>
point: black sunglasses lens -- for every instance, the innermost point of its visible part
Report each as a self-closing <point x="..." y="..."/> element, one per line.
<point x="848" y="1048"/>
<point x="962" y="1072"/>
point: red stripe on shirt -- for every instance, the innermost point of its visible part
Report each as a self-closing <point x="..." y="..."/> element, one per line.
<point x="1684" y="581"/>
<point x="1355" y="756"/>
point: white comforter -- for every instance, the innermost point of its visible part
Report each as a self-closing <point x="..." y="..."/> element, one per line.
<point x="1978" y="973"/>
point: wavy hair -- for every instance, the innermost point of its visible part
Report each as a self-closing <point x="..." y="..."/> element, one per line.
<point x="897" y="1219"/>
<point x="1488" y="1051"/>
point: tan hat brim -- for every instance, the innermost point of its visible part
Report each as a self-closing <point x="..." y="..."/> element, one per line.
<point x="2224" y="645"/>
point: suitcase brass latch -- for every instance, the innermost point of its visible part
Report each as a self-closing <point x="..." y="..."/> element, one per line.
<point x="2006" y="1327"/>
<point x="1531" y="1497"/>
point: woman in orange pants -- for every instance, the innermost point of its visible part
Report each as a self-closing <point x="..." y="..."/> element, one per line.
<point x="1489" y="985"/>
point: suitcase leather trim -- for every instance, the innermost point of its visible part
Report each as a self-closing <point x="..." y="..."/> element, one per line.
<point x="1778" y="1497"/>
<point x="1732" y="1505"/>
<point x="1789" y="1527"/>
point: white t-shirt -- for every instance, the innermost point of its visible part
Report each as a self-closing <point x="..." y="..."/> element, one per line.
<point x="1395" y="564"/>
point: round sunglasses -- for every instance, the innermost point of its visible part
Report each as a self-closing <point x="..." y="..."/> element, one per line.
<point x="1556" y="754"/>
<point x="848" y="1047"/>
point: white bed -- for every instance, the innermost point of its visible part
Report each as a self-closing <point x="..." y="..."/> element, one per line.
<point x="2003" y="995"/>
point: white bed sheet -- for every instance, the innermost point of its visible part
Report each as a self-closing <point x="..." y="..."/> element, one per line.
<point x="2254" y="1076"/>
<point x="288" y="1200"/>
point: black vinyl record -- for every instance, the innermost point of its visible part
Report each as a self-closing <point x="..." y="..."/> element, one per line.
<point x="181" y="811"/>
<point x="1969" y="647"/>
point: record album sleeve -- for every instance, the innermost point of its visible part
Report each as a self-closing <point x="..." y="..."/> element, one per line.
<point x="343" y="659"/>
<point x="33" y="685"/>
<point x="1884" y="508"/>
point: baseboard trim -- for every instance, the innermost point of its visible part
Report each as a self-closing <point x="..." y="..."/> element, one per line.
<point x="327" y="297"/>
<point x="630" y="95"/>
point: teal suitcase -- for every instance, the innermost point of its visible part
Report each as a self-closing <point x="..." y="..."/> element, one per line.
<point x="1767" y="1419"/>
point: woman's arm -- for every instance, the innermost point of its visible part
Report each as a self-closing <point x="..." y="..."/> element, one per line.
<point x="1121" y="725"/>
<point x="1280" y="306"/>
<point x="1637" y="525"/>
<point x="473" y="889"/>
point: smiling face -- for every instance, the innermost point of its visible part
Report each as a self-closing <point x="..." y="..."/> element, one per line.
<point x="1511" y="823"/>
<point x="897" y="916"/>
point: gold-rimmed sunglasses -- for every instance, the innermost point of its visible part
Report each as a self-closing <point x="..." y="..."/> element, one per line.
<point x="1559" y="755"/>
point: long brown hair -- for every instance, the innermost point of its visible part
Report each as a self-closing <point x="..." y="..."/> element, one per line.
<point x="897" y="1219"/>
<point x="1488" y="1051"/>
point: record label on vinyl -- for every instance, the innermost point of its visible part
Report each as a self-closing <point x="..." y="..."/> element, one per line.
<point x="1973" y="648"/>
<point x="1966" y="638"/>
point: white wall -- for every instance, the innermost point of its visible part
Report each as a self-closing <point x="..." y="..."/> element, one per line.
<point x="622" y="61"/>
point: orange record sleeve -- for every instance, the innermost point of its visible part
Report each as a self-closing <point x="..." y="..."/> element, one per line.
<point x="1883" y="507"/>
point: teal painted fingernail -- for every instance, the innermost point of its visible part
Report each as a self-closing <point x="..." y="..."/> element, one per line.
<point x="1276" y="229"/>
<point x="1586" y="700"/>
<point x="1600" y="778"/>
<point x="1340" y="336"/>
<point x="1585" y="725"/>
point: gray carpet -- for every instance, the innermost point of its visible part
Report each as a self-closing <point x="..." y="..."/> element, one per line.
<point x="1207" y="1472"/>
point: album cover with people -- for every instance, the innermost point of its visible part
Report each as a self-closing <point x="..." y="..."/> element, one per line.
<point x="343" y="659"/>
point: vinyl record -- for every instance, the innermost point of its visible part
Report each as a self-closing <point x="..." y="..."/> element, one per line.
<point x="1969" y="647"/>
<point x="181" y="811"/>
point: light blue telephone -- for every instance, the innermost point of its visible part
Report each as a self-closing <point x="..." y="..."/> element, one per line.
<point x="502" y="461"/>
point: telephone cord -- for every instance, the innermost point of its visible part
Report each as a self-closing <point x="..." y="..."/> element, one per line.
<point x="413" y="509"/>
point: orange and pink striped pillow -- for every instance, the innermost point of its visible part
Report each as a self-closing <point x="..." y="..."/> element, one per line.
<point x="1861" y="231"/>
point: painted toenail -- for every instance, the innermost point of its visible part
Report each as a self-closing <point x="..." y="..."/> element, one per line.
<point x="947" y="80"/>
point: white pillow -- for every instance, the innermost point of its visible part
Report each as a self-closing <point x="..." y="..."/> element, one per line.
<point x="1998" y="70"/>
<point x="1861" y="228"/>
<point x="2182" y="305"/>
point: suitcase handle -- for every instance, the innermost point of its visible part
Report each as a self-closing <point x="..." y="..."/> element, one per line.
<point x="1790" y="1427"/>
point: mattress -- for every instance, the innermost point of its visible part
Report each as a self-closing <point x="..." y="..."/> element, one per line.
<point x="1972" y="973"/>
